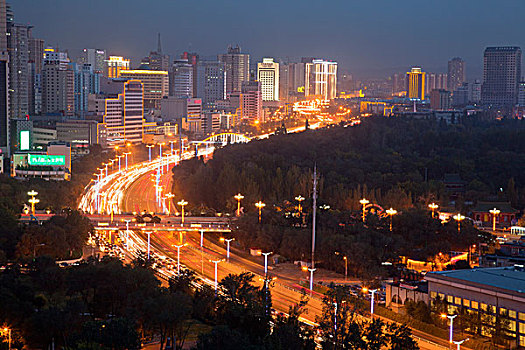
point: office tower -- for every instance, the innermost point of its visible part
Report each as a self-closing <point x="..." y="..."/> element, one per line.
<point x="87" y="81"/>
<point x="114" y="66"/>
<point x="181" y="82"/>
<point x="321" y="79"/>
<point x="58" y="84"/>
<point x="475" y="91"/>
<point x="36" y="56"/>
<point x="17" y="46"/>
<point x="268" y="76"/>
<point x="94" y="57"/>
<point x="237" y="67"/>
<point x="501" y="75"/>
<point x="21" y="134"/>
<point x="291" y="81"/>
<point x="193" y="59"/>
<point x="4" y="82"/>
<point x="460" y="98"/>
<point x="251" y="101"/>
<point x="440" y="99"/>
<point x="211" y="82"/>
<point x="123" y="118"/>
<point x="156" y="59"/>
<point x="416" y="84"/>
<point x="155" y="84"/>
<point x="435" y="81"/>
<point x="457" y="73"/>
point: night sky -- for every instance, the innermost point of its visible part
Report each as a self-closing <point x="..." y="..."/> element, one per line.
<point x="367" y="37"/>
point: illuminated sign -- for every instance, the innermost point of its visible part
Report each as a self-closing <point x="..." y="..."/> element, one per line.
<point x="24" y="140"/>
<point x="300" y="89"/>
<point x="42" y="159"/>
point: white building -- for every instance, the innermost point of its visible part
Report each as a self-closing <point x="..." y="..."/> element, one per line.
<point x="268" y="76"/>
<point x="321" y="79"/>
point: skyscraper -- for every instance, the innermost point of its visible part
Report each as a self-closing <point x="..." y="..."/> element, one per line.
<point x="4" y="81"/>
<point x="268" y="76"/>
<point x="155" y="84"/>
<point x="321" y="79"/>
<point x="291" y="81"/>
<point x="416" y="84"/>
<point x="251" y="101"/>
<point x="457" y="73"/>
<point x="87" y="81"/>
<point x="36" y="57"/>
<point x="94" y="57"/>
<point x="58" y="84"/>
<point x="501" y="75"/>
<point x="115" y="64"/>
<point x="181" y="80"/>
<point x="158" y="60"/>
<point x="211" y="82"/>
<point x="237" y="67"/>
<point x="18" y="48"/>
<point x="193" y="59"/>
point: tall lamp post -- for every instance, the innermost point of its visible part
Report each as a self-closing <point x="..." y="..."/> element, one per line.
<point x="149" y="242"/>
<point x="182" y="203"/>
<point x="300" y="198"/>
<point x="216" y="262"/>
<point x="311" y="279"/>
<point x="260" y="205"/>
<point x="372" y="293"/>
<point x="495" y="212"/>
<point x="228" y="241"/>
<point x="33" y="200"/>
<point x="364" y="202"/>
<point x="178" y="257"/>
<point x="149" y="151"/>
<point x="126" y="154"/>
<point x="169" y="196"/>
<point x="8" y="331"/>
<point x="458" y="343"/>
<point x="459" y="218"/>
<point x="391" y="212"/>
<point x="433" y="206"/>
<point x="239" y="197"/>
<point x="266" y="263"/>
<point x="346" y="263"/>
<point x="451" y="329"/>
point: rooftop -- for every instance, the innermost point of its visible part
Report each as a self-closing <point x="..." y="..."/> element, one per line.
<point x="507" y="278"/>
<point x="484" y="207"/>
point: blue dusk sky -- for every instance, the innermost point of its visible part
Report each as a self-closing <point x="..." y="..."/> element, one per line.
<point x="369" y="38"/>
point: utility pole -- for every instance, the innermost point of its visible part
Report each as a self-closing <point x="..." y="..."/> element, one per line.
<point x="313" y="221"/>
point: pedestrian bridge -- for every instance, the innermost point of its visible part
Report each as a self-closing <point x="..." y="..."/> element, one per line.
<point x="223" y="139"/>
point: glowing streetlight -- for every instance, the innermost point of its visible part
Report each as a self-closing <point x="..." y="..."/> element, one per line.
<point x="228" y="241"/>
<point x="182" y="203"/>
<point x="346" y="263"/>
<point x="311" y="279"/>
<point x="259" y="206"/>
<point x="178" y="257"/>
<point x="171" y="144"/>
<point x="459" y="218"/>
<point x="33" y="200"/>
<point x="126" y="154"/>
<point x="149" y="151"/>
<point x="458" y="343"/>
<point x="238" y="197"/>
<point x="8" y="331"/>
<point x="391" y="212"/>
<point x="119" y="157"/>
<point x="433" y="206"/>
<point x="372" y="293"/>
<point x="170" y="196"/>
<point x="300" y="198"/>
<point x="266" y="262"/>
<point x="149" y="242"/>
<point x="216" y="262"/>
<point x="451" y="329"/>
<point x="364" y="202"/>
<point x="495" y="212"/>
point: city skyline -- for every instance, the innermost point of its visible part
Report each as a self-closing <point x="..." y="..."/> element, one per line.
<point x="370" y="39"/>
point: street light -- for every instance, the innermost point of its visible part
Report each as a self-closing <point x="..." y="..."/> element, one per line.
<point x="119" y="157"/>
<point x="311" y="279"/>
<point x="260" y="205"/>
<point x="300" y="198"/>
<point x="216" y="262"/>
<point x="346" y="263"/>
<point x="8" y="331"/>
<point x="364" y="202"/>
<point x="458" y="343"/>
<point x="149" y="151"/>
<point x="238" y="197"/>
<point x="178" y="257"/>
<point x="391" y="212"/>
<point x="266" y="262"/>
<point x="451" y="331"/>
<point x="33" y="200"/>
<point x="228" y="247"/>
<point x="459" y="218"/>
<point x="433" y="206"/>
<point x="495" y="212"/>
<point x="372" y="292"/>
<point x="149" y="242"/>
<point x="170" y="196"/>
<point x="126" y="154"/>
<point x="182" y="203"/>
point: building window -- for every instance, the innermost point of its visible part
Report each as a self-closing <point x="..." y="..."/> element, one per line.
<point x="484" y="307"/>
<point x="502" y="311"/>
<point x="457" y="301"/>
<point x="433" y="295"/>
<point x="512" y="314"/>
<point x="522" y="316"/>
<point x="522" y="340"/>
<point x="466" y="302"/>
<point x="474" y="305"/>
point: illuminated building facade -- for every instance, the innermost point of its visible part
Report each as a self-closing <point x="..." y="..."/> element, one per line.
<point x="416" y="84"/>
<point x="95" y="57"/>
<point x="237" y="67"/>
<point x="251" y="102"/>
<point x="58" y="84"/>
<point x="321" y="79"/>
<point x="123" y="119"/>
<point x="291" y="81"/>
<point x="156" y="85"/>
<point x="116" y="64"/>
<point x="501" y="75"/>
<point x="268" y="76"/>
<point x="181" y="82"/>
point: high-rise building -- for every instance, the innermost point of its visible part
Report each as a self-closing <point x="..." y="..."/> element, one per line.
<point x="237" y="67"/>
<point x="116" y="64"/>
<point x="268" y="76"/>
<point x="521" y="94"/>
<point x="193" y="59"/>
<point x="291" y="81"/>
<point x="155" y="84"/>
<point x="58" y="84"/>
<point x="321" y="79"/>
<point x="501" y="75"/>
<point x="87" y="81"/>
<point x="440" y="99"/>
<point x="251" y="101"/>
<point x="181" y="80"/>
<point x="416" y="84"/>
<point x="475" y="91"/>
<point x="4" y="82"/>
<point x="18" y="48"/>
<point x="211" y="82"/>
<point x="123" y="119"/>
<point x="36" y="57"/>
<point x="96" y="58"/>
<point x="158" y="60"/>
<point x="457" y="73"/>
<point x="435" y="81"/>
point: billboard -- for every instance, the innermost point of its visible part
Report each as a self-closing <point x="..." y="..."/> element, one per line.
<point x="42" y="159"/>
<point x="24" y="140"/>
